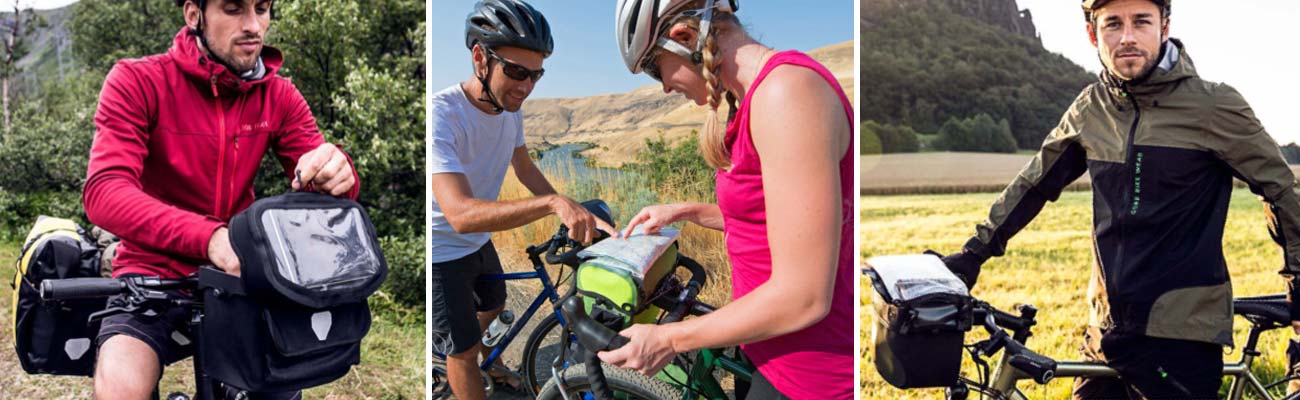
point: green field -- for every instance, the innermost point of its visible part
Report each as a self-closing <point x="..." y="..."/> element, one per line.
<point x="392" y="357"/>
<point x="1048" y="265"/>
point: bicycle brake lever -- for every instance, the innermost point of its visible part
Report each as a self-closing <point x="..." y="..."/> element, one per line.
<point x="111" y="311"/>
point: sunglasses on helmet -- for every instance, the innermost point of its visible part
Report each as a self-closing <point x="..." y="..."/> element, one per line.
<point x="516" y="71"/>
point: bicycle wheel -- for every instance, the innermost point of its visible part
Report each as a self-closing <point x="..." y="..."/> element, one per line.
<point x="539" y="352"/>
<point x="626" y="384"/>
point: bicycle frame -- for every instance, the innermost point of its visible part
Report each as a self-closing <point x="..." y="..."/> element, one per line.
<point x="700" y="377"/>
<point x="1005" y="377"/>
<point x="548" y="293"/>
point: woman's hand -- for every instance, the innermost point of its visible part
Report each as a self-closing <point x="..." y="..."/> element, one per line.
<point x="657" y="217"/>
<point x="648" y="350"/>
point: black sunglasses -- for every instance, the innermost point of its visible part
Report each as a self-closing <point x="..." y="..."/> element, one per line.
<point x="516" y="71"/>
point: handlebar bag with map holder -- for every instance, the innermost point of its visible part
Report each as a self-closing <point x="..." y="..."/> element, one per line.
<point x="55" y="337"/>
<point x="921" y="315"/>
<point x="296" y="316"/>
<point x="618" y="275"/>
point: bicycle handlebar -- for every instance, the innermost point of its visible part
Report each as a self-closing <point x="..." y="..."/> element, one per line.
<point x="93" y="288"/>
<point x="1040" y="368"/>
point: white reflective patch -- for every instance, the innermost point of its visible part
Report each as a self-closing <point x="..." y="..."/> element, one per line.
<point x="150" y="313"/>
<point x="320" y="323"/>
<point x="180" y="339"/>
<point x="76" y="348"/>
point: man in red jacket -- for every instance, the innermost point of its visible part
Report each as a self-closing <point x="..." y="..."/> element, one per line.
<point x="179" y="137"/>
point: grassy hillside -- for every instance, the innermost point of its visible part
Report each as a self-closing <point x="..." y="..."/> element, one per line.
<point x="619" y="123"/>
<point x="50" y="55"/>
<point x="924" y="63"/>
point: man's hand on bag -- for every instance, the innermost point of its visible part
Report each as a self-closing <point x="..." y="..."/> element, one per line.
<point x="1295" y="326"/>
<point x="221" y="253"/>
<point x="582" y="224"/>
<point x="965" y="265"/>
<point x="327" y="169"/>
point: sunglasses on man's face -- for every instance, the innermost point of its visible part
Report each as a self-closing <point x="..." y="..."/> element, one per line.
<point x="516" y="71"/>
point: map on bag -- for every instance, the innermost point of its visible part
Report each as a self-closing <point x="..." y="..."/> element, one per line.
<point x="637" y="250"/>
<point x="912" y="276"/>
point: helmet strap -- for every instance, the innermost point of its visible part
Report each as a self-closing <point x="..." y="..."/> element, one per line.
<point x="485" y="81"/>
<point x="696" y="57"/>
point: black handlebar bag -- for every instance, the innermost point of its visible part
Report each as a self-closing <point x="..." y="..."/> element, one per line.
<point x="921" y="315"/>
<point x="295" y="317"/>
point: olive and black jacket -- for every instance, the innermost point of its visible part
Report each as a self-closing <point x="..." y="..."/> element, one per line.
<point x="1162" y="154"/>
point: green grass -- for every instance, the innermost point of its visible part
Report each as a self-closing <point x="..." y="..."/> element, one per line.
<point x="392" y="357"/>
<point x="1048" y="265"/>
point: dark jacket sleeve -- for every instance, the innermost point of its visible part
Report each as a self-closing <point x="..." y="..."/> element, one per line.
<point x="1060" y="161"/>
<point x="299" y="135"/>
<point x="113" y="195"/>
<point x="1240" y="141"/>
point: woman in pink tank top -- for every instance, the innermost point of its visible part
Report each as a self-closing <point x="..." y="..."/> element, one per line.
<point x="785" y="198"/>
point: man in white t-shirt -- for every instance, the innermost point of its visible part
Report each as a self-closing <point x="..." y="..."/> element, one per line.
<point x="477" y="134"/>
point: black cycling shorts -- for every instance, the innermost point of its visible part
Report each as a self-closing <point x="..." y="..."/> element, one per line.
<point x="456" y="296"/>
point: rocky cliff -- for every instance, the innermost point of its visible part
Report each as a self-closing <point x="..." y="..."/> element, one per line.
<point x="1002" y="13"/>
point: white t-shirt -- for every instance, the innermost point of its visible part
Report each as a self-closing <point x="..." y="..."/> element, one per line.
<point x="468" y="141"/>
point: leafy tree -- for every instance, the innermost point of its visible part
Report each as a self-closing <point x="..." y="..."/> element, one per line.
<point x="319" y="39"/>
<point x="976" y="134"/>
<point x="870" y="140"/>
<point x="681" y="166"/>
<point x="892" y="138"/>
<point x="105" y="31"/>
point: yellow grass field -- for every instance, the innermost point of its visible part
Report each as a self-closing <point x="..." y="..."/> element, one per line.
<point x="1047" y="265"/>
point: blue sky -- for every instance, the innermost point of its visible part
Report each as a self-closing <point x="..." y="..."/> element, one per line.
<point x="586" y="60"/>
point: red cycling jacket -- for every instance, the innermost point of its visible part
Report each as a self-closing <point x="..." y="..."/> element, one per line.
<point x="178" y="142"/>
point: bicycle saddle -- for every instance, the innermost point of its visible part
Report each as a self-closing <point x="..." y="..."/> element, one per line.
<point x="1263" y="310"/>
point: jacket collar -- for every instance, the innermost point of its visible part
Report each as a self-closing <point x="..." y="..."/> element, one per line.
<point x="196" y="66"/>
<point x="1175" y="65"/>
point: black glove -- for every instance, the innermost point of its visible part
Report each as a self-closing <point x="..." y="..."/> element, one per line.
<point x="964" y="264"/>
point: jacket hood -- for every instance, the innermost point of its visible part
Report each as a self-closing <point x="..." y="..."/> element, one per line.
<point x="185" y="51"/>
<point x="1160" y="78"/>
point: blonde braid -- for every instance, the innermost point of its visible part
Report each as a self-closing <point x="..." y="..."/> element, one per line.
<point x="713" y="137"/>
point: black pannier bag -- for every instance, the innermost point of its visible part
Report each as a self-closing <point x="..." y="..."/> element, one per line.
<point x="921" y="315"/>
<point x="54" y="337"/>
<point x="295" y="317"/>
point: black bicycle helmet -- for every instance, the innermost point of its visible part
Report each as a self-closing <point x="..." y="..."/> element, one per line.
<point x="1089" y="6"/>
<point x="508" y="23"/>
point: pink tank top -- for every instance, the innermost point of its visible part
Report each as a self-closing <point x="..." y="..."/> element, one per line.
<point x="816" y="362"/>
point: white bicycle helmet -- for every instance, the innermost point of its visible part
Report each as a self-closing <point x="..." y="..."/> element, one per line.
<point x="639" y="23"/>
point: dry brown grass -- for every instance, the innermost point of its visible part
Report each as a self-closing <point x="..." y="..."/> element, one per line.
<point x="704" y="245"/>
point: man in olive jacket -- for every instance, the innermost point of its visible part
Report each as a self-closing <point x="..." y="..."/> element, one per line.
<point x="1162" y="147"/>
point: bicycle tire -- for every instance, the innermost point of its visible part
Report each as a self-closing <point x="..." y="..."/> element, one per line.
<point x="536" y="362"/>
<point x="626" y="383"/>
